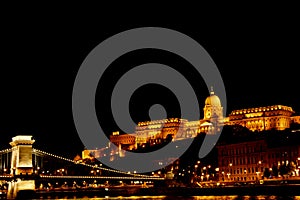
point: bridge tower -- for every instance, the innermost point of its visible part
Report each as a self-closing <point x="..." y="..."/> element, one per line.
<point x="21" y="164"/>
<point x="21" y="159"/>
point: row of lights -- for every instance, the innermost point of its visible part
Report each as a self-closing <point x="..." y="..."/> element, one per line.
<point x="102" y="177"/>
<point x="49" y="154"/>
<point x="262" y="109"/>
<point x="159" y="121"/>
<point x="92" y="166"/>
<point x="257" y="172"/>
<point x="116" y="171"/>
<point x="5" y="176"/>
<point x="6" y="150"/>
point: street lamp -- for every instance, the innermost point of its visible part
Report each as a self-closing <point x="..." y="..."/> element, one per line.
<point x="260" y="166"/>
<point x="257" y="174"/>
<point x="228" y="174"/>
<point x="259" y="162"/>
<point x="196" y="169"/>
<point x="202" y="177"/>
<point x="229" y="171"/>
<point x="297" y="172"/>
<point x="207" y="177"/>
<point x="217" y="169"/>
<point x="223" y="176"/>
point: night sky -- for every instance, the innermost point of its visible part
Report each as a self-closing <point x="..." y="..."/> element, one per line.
<point x="258" y="60"/>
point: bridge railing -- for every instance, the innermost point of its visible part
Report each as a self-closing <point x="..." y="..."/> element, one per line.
<point x="4" y="151"/>
<point x="40" y="152"/>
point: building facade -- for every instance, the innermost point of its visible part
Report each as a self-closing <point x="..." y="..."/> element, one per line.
<point x="255" y="160"/>
<point x="276" y="117"/>
<point x="242" y="161"/>
<point x="150" y="133"/>
<point x="157" y="131"/>
<point x="295" y="119"/>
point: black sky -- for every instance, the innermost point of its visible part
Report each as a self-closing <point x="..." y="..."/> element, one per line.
<point x="258" y="60"/>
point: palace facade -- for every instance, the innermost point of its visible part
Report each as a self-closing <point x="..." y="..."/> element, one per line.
<point x="157" y="131"/>
<point x="276" y="117"/>
<point x="150" y="133"/>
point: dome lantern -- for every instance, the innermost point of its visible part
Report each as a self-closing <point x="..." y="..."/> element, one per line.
<point x="212" y="100"/>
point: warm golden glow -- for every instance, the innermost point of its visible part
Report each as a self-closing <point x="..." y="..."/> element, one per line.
<point x="259" y="114"/>
<point x="277" y="117"/>
<point x="21" y="159"/>
<point x="115" y="133"/>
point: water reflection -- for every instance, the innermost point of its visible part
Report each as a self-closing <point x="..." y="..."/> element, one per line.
<point x="187" y="198"/>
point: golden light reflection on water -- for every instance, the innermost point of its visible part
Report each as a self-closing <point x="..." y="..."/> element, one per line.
<point x="245" y="198"/>
<point x="189" y="198"/>
<point x="262" y="197"/>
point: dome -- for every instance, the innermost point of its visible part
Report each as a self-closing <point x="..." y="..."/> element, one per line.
<point x="213" y="100"/>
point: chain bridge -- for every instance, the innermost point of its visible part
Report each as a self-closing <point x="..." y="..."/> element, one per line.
<point x="26" y="168"/>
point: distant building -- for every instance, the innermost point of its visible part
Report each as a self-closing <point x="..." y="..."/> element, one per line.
<point x="154" y="132"/>
<point x="126" y="140"/>
<point x="94" y="153"/>
<point x="150" y="133"/>
<point x="276" y="117"/>
<point x="213" y="110"/>
<point x="295" y="119"/>
<point x="252" y="160"/>
<point x="241" y="161"/>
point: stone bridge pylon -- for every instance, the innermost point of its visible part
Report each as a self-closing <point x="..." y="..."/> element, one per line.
<point x="21" y="164"/>
<point x="21" y="159"/>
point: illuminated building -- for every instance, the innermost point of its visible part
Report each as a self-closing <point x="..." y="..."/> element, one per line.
<point x="295" y="119"/>
<point x="94" y="153"/>
<point x="123" y="142"/>
<point x="276" y="117"/>
<point x="150" y="133"/>
<point x="213" y="110"/>
<point x="241" y="161"/>
<point x="156" y="131"/>
<point x="255" y="160"/>
<point x="126" y="140"/>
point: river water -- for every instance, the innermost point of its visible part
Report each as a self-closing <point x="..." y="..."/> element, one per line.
<point x="183" y="198"/>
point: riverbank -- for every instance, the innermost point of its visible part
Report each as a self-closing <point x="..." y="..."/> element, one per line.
<point x="274" y="190"/>
<point x="277" y="190"/>
<point x="284" y="190"/>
